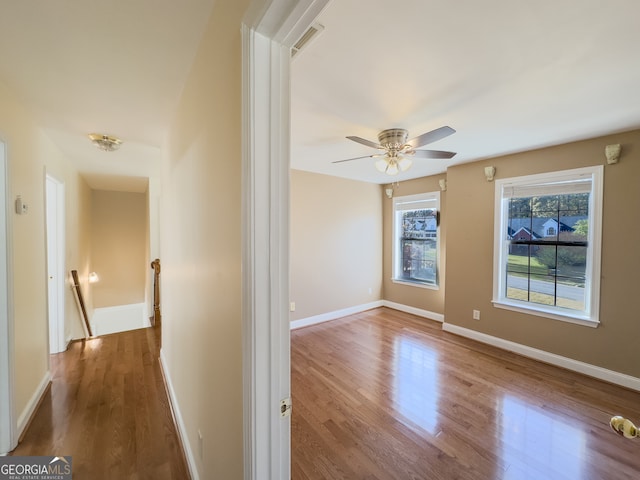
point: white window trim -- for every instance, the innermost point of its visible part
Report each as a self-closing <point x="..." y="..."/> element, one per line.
<point x="395" y="256"/>
<point x="596" y="174"/>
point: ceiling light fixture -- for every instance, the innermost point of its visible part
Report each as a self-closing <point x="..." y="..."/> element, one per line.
<point x="104" y="142"/>
<point x="392" y="164"/>
<point x="398" y="149"/>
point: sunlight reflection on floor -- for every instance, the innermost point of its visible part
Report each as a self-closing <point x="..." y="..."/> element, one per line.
<point x="535" y="444"/>
<point x="416" y="391"/>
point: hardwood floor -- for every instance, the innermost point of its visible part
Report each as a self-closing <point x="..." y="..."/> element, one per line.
<point x="108" y="409"/>
<point x="387" y="395"/>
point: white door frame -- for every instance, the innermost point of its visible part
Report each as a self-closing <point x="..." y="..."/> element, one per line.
<point x="8" y="439"/>
<point x="269" y="30"/>
<point x="55" y="221"/>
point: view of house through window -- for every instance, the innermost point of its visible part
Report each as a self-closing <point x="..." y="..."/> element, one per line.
<point x="415" y="239"/>
<point x="546" y="248"/>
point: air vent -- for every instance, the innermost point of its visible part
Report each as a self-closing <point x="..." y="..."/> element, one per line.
<point x="313" y="31"/>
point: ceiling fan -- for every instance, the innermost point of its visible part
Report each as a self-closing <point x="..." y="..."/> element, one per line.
<point x="397" y="149"/>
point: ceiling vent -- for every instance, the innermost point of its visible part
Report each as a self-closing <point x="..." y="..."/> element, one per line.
<point x="312" y="32"/>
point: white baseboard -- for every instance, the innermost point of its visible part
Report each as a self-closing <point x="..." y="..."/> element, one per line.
<point x="547" y="357"/>
<point x="325" y="317"/>
<point x="438" y="317"/>
<point x="182" y="429"/>
<point x="32" y="404"/>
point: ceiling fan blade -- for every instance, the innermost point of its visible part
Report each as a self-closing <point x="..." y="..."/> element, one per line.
<point x="433" y="154"/>
<point x="356" y="158"/>
<point x="429" y="137"/>
<point x="364" y="141"/>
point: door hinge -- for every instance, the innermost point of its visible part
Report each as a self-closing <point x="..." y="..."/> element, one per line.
<point x="285" y="407"/>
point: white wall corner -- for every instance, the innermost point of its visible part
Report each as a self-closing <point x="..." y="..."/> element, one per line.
<point x="438" y="317"/>
<point x="32" y="404"/>
<point x="570" y="364"/>
<point x="325" y="317"/>
<point x="178" y="420"/>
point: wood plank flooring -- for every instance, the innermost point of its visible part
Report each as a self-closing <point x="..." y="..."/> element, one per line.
<point x="387" y="395"/>
<point x="107" y="408"/>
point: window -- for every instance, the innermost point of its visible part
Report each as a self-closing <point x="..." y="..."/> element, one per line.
<point x="415" y="239"/>
<point x="547" y="244"/>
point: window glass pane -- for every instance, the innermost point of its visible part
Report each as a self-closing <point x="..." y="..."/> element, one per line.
<point x="517" y="287"/>
<point x="542" y="289"/>
<point x="544" y="214"/>
<point x="575" y="204"/>
<point x="545" y="256"/>
<point x="571" y="275"/>
<point x="572" y="261"/>
<point x="419" y="224"/>
<point x="419" y="260"/>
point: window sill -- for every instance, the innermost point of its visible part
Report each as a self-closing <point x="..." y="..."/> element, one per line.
<point x="416" y="284"/>
<point x="577" y="320"/>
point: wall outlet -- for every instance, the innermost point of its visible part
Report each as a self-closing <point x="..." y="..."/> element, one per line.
<point x="370" y="290"/>
<point x="476" y="314"/>
<point x="292" y="306"/>
<point x="200" y="445"/>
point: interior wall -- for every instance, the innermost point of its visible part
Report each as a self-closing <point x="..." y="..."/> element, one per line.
<point x="119" y="247"/>
<point x="336" y="227"/>
<point x="30" y="154"/>
<point x="431" y="300"/>
<point x="470" y="217"/>
<point x="201" y="250"/>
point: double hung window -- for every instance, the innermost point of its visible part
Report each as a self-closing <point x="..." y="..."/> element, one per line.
<point x="415" y="239"/>
<point x="547" y="244"/>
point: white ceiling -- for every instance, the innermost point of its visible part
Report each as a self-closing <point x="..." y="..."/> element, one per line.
<point x="508" y="75"/>
<point x="114" y="67"/>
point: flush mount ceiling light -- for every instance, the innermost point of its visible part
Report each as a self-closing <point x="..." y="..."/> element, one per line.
<point x="107" y="143"/>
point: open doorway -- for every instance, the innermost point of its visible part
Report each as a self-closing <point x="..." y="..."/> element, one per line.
<point x="55" y="263"/>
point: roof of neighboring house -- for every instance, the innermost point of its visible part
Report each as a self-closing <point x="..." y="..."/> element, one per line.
<point x="514" y="233"/>
<point x="535" y="226"/>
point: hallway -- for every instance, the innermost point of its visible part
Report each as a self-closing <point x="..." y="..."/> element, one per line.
<point x="107" y="408"/>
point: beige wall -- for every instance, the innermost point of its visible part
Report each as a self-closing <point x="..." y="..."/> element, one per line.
<point x="119" y="244"/>
<point x="30" y="154"/>
<point x="336" y="227"/>
<point x="201" y="249"/>
<point x="469" y="218"/>
<point x="431" y="300"/>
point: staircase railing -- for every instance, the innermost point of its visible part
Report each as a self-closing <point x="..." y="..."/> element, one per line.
<point x="156" y="290"/>
<point x="83" y="309"/>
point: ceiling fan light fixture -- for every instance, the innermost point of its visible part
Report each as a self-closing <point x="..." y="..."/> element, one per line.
<point x="381" y="165"/>
<point x="404" y="163"/>
<point x="396" y="146"/>
<point x="392" y="169"/>
<point x="108" y="143"/>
